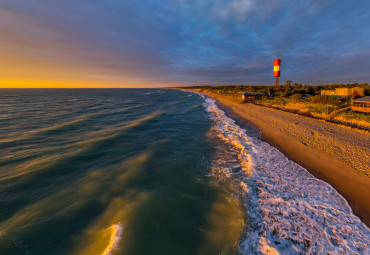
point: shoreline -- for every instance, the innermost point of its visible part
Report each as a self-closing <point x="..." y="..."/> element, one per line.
<point x="351" y="184"/>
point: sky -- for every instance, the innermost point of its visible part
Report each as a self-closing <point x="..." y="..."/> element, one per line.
<point x="148" y="43"/>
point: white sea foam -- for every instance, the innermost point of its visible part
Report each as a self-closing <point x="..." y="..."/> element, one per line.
<point x="289" y="210"/>
<point x="115" y="236"/>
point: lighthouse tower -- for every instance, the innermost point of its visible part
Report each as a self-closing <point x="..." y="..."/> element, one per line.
<point x="277" y="74"/>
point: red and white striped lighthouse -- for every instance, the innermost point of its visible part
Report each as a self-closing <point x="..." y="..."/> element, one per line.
<point x="277" y="73"/>
<point x="277" y="67"/>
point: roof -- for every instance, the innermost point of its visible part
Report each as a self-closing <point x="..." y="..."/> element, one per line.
<point x="337" y="97"/>
<point x="254" y="94"/>
<point x="362" y="99"/>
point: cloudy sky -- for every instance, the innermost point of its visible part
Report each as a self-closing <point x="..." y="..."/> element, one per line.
<point x="150" y="43"/>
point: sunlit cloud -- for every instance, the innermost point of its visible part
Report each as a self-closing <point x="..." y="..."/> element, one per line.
<point x="163" y="43"/>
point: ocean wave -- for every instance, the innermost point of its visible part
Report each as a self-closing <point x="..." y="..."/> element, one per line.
<point x="110" y="133"/>
<point x="42" y="159"/>
<point x="289" y="210"/>
<point x="124" y="126"/>
<point x="19" y="136"/>
<point x="196" y="106"/>
<point x="115" y="236"/>
<point x="179" y="101"/>
<point x="15" y="137"/>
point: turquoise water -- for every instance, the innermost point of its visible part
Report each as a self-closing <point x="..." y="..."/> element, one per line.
<point x="119" y="171"/>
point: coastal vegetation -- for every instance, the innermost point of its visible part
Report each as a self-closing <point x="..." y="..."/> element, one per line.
<point x="288" y="89"/>
<point x="303" y="98"/>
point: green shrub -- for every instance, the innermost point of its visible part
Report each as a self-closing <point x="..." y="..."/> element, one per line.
<point x="321" y="108"/>
<point x="356" y="115"/>
<point x="324" y="99"/>
<point x="367" y="91"/>
<point x="295" y="97"/>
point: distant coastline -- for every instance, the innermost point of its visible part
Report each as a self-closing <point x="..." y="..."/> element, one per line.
<point x="330" y="152"/>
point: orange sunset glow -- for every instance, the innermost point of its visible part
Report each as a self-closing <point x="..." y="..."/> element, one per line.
<point x="36" y="54"/>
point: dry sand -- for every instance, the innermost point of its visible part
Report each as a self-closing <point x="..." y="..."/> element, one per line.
<point x="338" y="155"/>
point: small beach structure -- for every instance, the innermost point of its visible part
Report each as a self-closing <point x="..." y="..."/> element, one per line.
<point x="361" y="104"/>
<point x="344" y="92"/>
<point x="251" y="96"/>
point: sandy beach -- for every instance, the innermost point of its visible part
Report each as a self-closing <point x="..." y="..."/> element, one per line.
<point x="338" y="155"/>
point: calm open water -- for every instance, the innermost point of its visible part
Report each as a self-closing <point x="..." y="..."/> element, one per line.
<point x="116" y="171"/>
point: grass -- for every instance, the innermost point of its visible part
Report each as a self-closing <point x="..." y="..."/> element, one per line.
<point x="359" y="118"/>
<point x="322" y="109"/>
<point x="318" y="109"/>
<point x="319" y="106"/>
<point x="355" y="115"/>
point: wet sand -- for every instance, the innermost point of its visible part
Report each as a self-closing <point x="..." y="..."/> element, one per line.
<point x="338" y="155"/>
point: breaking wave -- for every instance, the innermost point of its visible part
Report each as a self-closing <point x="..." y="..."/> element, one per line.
<point x="289" y="210"/>
<point x="115" y="236"/>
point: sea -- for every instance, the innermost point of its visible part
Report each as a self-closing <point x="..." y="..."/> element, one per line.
<point x="155" y="171"/>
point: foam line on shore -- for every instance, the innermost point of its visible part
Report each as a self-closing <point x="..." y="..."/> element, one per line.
<point x="288" y="209"/>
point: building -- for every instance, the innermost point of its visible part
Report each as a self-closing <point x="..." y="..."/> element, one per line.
<point x="344" y="92"/>
<point x="327" y="92"/>
<point x="251" y="96"/>
<point x="356" y="92"/>
<point x="361" y="104"/>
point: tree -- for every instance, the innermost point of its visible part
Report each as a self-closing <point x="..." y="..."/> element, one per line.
<point x="309" y="89"/>
<point x="297" y="87"/>
<point x="288" y="85"/>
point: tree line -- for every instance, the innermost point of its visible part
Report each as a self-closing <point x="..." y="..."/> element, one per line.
<point x="286" y="90"/>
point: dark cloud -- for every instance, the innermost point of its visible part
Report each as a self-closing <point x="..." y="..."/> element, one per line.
<point x="190" y="42"/>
